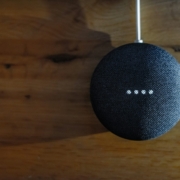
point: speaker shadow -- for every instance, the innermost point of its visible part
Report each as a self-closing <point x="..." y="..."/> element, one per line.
<point x="70" y="113"/>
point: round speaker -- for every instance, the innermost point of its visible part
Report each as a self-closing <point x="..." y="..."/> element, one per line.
<point x="135" y="91"/>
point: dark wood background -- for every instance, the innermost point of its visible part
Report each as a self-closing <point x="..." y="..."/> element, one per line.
<point x="48" y="51"/>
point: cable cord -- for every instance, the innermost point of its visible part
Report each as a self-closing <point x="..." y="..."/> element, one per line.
<point x="138" y="22"/>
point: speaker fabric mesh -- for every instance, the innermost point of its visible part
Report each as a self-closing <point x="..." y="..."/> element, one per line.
<point x="152" y="77"/>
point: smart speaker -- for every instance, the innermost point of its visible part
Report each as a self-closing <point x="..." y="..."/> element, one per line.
<point x="135" y="90"/>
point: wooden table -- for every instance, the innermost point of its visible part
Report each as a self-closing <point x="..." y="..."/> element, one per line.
<point x="48" y="51"/>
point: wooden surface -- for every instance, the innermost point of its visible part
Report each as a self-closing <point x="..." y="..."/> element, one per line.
<point x="48" y="51"/>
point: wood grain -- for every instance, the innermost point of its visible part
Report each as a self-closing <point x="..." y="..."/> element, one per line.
<point x="48" y="52"/>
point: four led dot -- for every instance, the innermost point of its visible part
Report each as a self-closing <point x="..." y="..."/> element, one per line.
<point x="129" y="92"/>
<point x="151" y="91"/>
<point x="143" y="91"/>
<point x="136" y="92"/>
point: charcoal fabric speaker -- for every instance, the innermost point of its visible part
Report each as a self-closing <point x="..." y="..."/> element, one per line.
<point x="135" y="91"/>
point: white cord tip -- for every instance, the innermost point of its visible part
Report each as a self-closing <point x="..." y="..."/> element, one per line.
<point x="138" y="41"/>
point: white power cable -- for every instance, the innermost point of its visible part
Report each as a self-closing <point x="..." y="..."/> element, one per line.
<point x="138" y="22"/>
